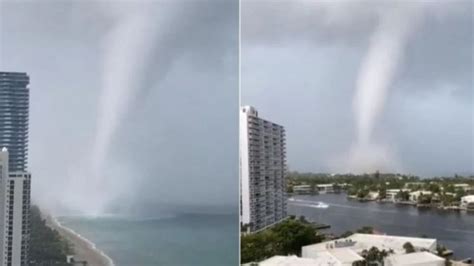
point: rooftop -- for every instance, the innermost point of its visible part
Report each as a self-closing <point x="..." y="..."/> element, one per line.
<point x="359" y="242"/>
<point x="288" y="261"/>
<point x="461" y="185"/>
<point x="418" y="258"/>
<point x="12" y="73"/>
<point x="346" y="251"/>
<point x="468" y="198"/>
<point x="325" y="185"/>
<point x="418" y="192"/>
<point x="324" y="260"/>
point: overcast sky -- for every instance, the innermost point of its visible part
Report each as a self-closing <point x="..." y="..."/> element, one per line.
<point x="166" y="72"/>
<point x="301" y="61"/>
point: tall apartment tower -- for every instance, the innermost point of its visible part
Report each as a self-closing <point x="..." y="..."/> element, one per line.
<point x="262" y="171"/>
<point x="14" y="106"/>
<point x="14" y="216"/>
<point x="14" y="180"/>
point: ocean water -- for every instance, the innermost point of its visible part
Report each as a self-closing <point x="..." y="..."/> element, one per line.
<point x="452" y="229"/>
<point x="173" y="239"/>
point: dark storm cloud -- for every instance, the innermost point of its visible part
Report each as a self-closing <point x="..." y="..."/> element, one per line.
<point x="306" y="56"/>
<point x="178" y="141"/>
<point x="440" y="50"/>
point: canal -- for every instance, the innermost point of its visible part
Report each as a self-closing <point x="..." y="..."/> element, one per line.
<point x="455" y="230"/>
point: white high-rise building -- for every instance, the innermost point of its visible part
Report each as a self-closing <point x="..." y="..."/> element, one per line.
<point x="3" y="198"/>
<point x="14" y="214"/>
<point x="262" y="171"/>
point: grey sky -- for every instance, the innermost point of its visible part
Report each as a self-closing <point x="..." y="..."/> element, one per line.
<point x="176" y="142"/>
<point x="300" y="61"/>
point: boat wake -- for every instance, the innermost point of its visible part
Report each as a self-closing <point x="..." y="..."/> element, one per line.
<point x="308" y="203"/>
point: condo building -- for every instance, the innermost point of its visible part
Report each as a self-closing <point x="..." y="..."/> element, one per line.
<point x="14" y="179"/>
<point x="14" y="106"/>
<point x="262" y="171"/>
<point x="14" y="216"/>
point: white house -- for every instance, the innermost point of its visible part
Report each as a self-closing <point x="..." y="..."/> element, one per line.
<point x="391" y="194"/>
<point x="467" y="203"/>
<point x="416" y="194"/>
<point x="325" y="188"/>
<point x="373" y="195"/>
<point x="463" y="186"/>
<point x="302" y="189"/>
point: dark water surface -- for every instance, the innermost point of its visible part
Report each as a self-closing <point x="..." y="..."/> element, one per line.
<point x="185" y="239"/>
<point x="452" y="229"/>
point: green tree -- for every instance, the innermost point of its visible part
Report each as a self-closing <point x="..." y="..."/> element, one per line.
<point x="359" y="263"/>
<point x="362" y="193"/>
<point x="47" y="247"/>
<point x="287" y="237"/>
<point x="303" y="220"/>
<point x="403" y="195"/>
<point x="382" y="192"/>
<point x="294" y="234"/>
<point x="375" y="255"/>
<point x="459" y="194"/>
<point x="440" y="250"/>
<point x="434" y="188"/>
<point x="289" y="189"/>
<point x="352" y="191"/>
<point x="449" y="188"/>
<point x="446" y="199"/>
<point x="425" y="198"/>
<point x="346" y="234"/>
<point x="366" y="230"/>
<point x="409" y="248"/>
<point x="256" y="247"/>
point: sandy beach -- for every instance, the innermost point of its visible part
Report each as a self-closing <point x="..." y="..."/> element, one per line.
<point x="84" y="249"/>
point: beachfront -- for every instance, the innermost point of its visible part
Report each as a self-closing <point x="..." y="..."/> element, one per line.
<point x="84" y="250"/>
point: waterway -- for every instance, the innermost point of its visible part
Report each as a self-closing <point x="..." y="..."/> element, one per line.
<point x="452" y="229"/>
<point x="184" y="239"/>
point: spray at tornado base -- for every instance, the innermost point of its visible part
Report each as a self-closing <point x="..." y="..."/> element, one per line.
<point x="377" y="71"/>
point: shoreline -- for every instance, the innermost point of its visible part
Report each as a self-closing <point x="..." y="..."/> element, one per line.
<point x="429" y="206"/>
<point x="85" y="250"/>
<point x="389" y="219"/>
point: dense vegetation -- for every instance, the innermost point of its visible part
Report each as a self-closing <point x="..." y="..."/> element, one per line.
<point x="443" y="189"/>
<point x="364" y="180"/>
<point x="288" y="237"/>
<point x="363" y="230"/>
<point x="47" y="247"/>
<point x="284" y="238"/>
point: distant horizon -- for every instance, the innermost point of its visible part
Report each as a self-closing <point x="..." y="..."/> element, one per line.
<point x="459" y="174"/>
